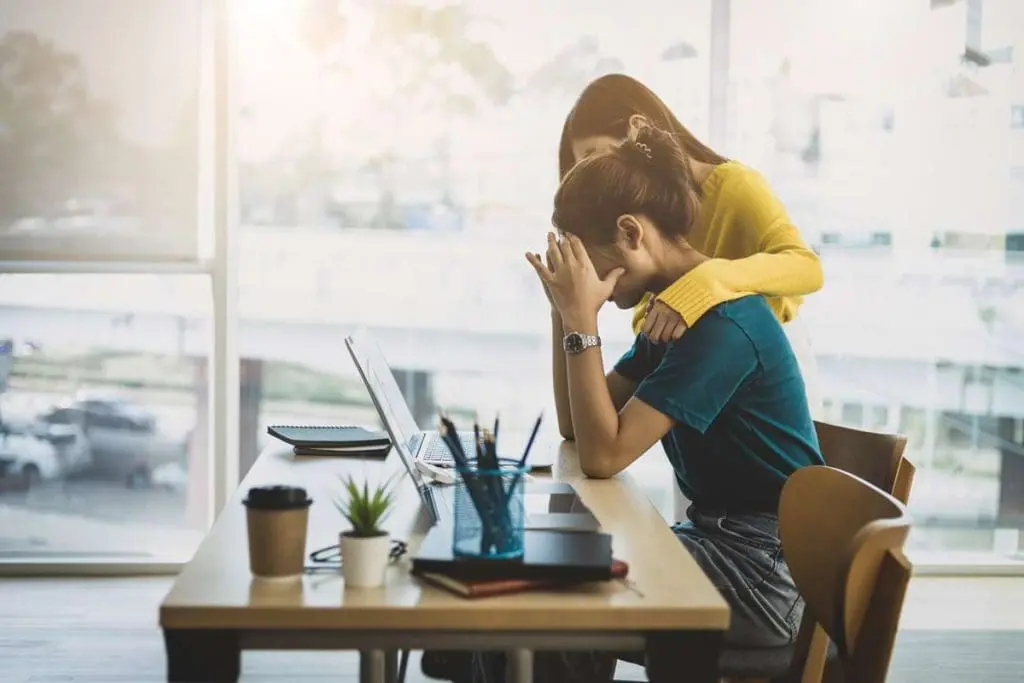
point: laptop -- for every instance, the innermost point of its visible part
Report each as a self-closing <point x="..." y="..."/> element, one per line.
<point x="425" y="445"/>
<point x="549" y="505"/>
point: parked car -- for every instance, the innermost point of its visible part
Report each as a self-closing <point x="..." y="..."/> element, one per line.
<point x="10" y="478"/>
<point x="124" y="438"/>
<point x="41" y="451"/>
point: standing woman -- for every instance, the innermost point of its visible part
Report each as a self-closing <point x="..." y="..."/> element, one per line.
<point x="741" y="225"/>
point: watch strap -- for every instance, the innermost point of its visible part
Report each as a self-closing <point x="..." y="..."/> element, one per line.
<point x="578" y="342"/>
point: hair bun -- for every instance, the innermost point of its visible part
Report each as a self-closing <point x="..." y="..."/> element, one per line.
<point x="659" y="148"/>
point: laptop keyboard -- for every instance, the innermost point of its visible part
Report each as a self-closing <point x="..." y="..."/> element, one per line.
<point x="436" y="452"/>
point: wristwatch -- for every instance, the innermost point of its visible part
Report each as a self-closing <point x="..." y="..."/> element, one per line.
<point x="577" y="342"/>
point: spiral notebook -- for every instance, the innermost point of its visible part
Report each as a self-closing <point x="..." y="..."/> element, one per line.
<point x="332" y="439"/>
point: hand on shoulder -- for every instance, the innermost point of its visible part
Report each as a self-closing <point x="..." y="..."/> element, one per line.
<point x="661" y="323"/>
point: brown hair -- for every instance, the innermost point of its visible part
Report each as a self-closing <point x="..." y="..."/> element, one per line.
<point x="648" y="176"/>
<point x="604" y="108"/>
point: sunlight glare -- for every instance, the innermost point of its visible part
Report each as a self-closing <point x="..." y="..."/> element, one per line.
<point x="255" y="19"/>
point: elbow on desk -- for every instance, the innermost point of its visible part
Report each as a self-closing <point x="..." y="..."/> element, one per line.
<point x="599" y="468"/>
<point x="565" y="428"/>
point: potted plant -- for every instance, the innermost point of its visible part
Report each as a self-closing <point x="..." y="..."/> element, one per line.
<point x="365" y="548"/>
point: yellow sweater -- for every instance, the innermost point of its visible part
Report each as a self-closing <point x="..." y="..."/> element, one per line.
<point x="754" y="249"/>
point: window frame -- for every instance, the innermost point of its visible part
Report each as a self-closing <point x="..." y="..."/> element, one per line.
<point x="218" y="211"/>
<point x="175" y="248"/>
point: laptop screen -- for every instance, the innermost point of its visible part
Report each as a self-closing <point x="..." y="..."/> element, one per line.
<point x="384" y="387"/>
<point x="394" y="411"/>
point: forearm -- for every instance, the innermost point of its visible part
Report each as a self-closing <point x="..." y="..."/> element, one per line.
<point x="793" y="273"/>
<point x="594" y="416"/>
<point x="560" y="382"/>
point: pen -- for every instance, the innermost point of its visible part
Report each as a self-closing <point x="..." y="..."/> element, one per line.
<point x="529" y="444"/>
<point x="522" y="461"/>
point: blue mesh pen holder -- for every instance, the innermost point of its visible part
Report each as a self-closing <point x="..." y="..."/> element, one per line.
<point x="489" y="512"/>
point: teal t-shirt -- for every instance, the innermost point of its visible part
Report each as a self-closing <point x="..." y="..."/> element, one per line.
<point x="733" y="387"/>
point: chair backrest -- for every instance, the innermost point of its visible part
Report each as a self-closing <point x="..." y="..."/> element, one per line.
<point x="843" y="539"/>
<point x="874" y="457"/>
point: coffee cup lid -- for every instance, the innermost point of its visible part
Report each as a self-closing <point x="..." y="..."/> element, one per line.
<point x="277" y="498"/>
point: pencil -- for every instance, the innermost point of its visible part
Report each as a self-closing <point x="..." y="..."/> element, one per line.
<point x="522" y="461"/>
<point x="529" y="444"/>
<point x="453" y="445"/>
<point x="477" y="445"/>
<point x="491" y="448"/>
<point x="454" y="436"/>
<point x="479" y="493"/>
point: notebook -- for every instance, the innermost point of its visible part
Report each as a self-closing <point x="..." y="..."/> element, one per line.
<point x="491" y="587"/>
<point x="363" y="451"/>
<point x="570" y="556"/>
<point x="331" y="439"/>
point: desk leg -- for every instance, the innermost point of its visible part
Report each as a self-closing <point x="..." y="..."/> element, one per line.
<point x="377" y="666"/>
<point x="202" y="656"/>
<point x="671" y="654"/>
<point x="519" y="666"/>
<point x="391" y="666"/>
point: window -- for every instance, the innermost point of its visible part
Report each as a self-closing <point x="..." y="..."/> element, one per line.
<point x="104" y="415"/>
<point x="827" y="408"/>
<point x="853" y="415"/>
<point x="859" y="416"/>
<point x="886" y="317"/>
<point x="103" y="419"/>
<point x="99" y="133"/>
<point x="397" y="199"/>
<point x="1017" y="117"/>
<point x="879" y="418"/>
<point x="913" y="426"/>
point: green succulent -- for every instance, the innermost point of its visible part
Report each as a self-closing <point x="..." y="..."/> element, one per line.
<point x="365" y="508"/>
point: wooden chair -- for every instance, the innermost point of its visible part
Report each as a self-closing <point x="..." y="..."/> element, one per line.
<point x="844" y="542"/>
<point x="843" y="539"/>
<point x="875" y="457"/>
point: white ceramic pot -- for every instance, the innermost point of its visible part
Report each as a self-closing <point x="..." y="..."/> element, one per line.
<point x="364" y="561"/>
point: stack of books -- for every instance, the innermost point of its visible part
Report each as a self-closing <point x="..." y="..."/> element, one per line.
<point x="551" y="559"/>
<point x="343" y="440"/>
<point x="484" y="588"/>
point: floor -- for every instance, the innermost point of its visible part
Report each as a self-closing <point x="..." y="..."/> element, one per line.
<point x="105" y="631"/>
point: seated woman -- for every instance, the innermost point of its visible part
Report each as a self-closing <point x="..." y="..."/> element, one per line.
<point x="726" y="399"/>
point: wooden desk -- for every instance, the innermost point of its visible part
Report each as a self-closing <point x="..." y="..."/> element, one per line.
<point x="215" y="608"/>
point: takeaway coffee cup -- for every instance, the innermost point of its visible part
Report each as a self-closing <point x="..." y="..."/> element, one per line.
<point x="277" y="517"/>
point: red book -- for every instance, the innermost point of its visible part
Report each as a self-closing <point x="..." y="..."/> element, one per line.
<point x="490" y="587"/>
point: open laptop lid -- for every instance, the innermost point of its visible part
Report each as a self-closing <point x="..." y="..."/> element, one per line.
<point x="394" y="412"/>
<point x="381" y="384"/>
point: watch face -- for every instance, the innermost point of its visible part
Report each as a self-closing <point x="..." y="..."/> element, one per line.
<point x="574" y="342"/>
